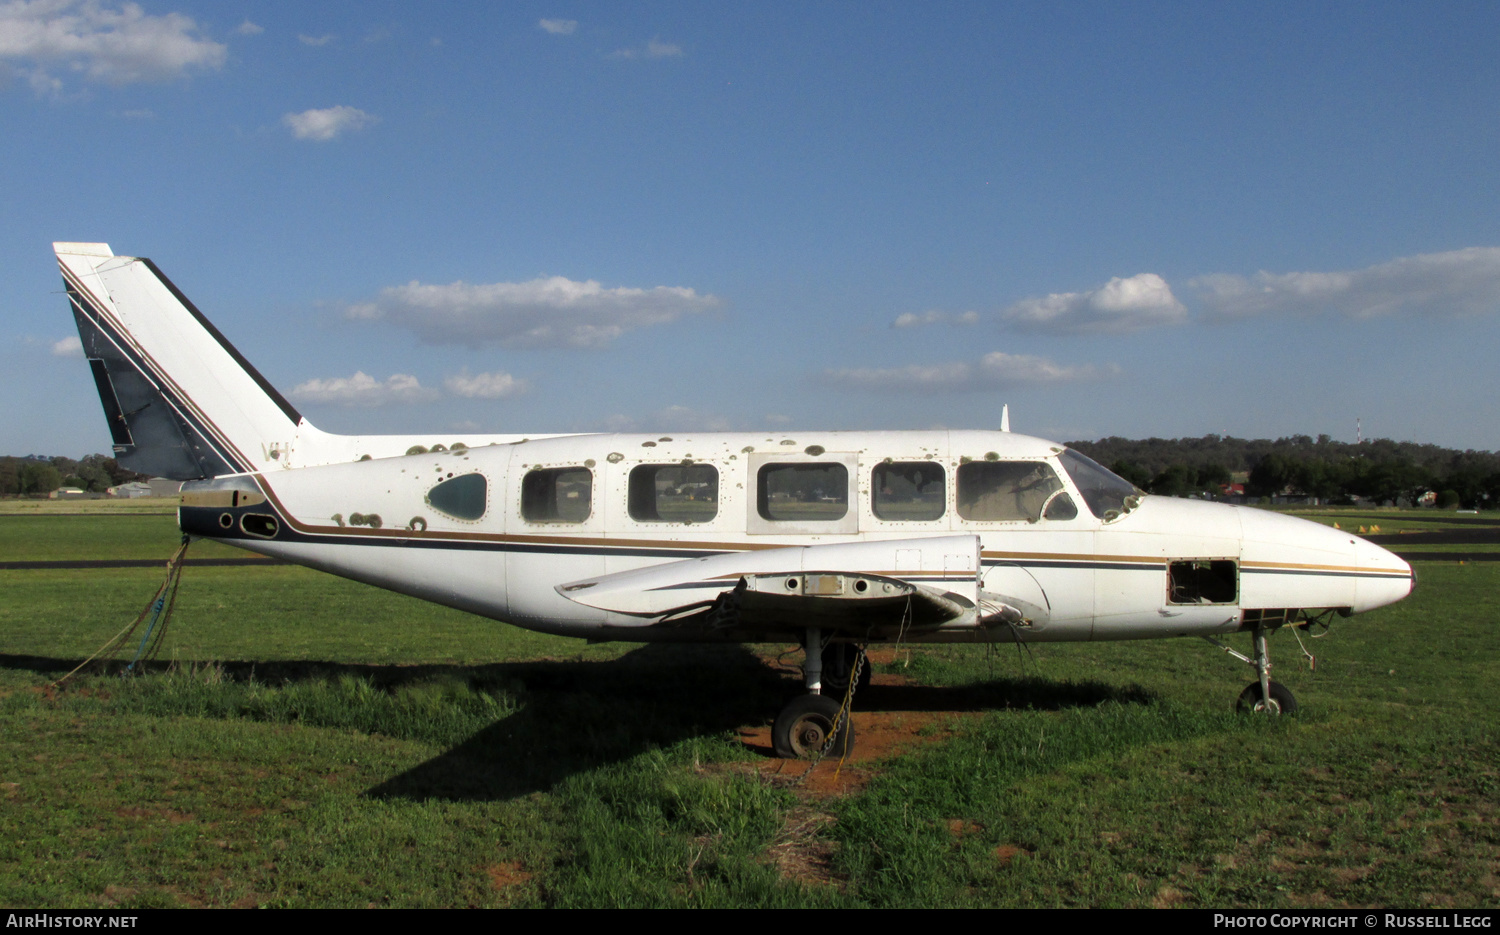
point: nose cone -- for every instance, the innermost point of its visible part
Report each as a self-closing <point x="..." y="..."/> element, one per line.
<point x="1385" y="577"/>
<point x="1291" y="562"/>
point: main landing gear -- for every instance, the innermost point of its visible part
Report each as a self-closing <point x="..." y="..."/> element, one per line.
<point x="1262" y="696"/>
<point x="817" y="725"/>
<point x="840" y="659"/>
<point x="805" y="726"/>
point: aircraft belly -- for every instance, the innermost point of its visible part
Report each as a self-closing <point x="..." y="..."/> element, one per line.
<point x="535" y="605"/>
<point x="430" y="574"/>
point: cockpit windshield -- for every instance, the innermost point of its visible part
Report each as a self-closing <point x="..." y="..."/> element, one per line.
<point x="1107" y="495"/>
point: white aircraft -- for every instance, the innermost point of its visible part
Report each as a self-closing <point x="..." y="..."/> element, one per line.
<point x="835" y="540"/>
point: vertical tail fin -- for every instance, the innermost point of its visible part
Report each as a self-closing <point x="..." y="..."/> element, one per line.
<point x="180" y="400"/>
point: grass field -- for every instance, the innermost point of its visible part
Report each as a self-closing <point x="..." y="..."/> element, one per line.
<point x="306" y="741"/>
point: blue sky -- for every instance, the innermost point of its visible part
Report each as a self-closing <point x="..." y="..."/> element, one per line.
<point x="1121" y="219"/>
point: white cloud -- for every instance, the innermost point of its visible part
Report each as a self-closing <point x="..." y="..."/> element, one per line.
<point x="1120" y="305"/>
<point x="1460" y="282"/>
<point x="116" y="45"/>
<point x="485" y="385"/>
<point x="68" y="347"/>
<point x="559" y="27"/>
<point x="688" y="419"/>
<point x="619" y="422"/>
<point x="934" y="316"/>
<point x="364" y="390"/>
<point x="248" y="28"/>
<point x="314" y="40"/>
<point x="552" y="312"/>
<point x="995" y="370"/>
<point x="671" y="419"/>
<point x="327" y="123"/>
<point x="653" y="49"/>
<point x="658" y="49"/>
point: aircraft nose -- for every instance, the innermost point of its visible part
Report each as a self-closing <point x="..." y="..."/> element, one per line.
<point x="1294" y="562"/>
<point x="1385" y="577"/>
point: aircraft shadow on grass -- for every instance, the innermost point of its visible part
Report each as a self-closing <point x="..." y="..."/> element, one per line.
<point x="577" y="716"/>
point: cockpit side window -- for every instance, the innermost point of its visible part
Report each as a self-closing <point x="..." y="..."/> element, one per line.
<point x="908" y="491"/>
<point x="998" y="491"/>
<point x="557" y="495"/>
<point x="1106" y="494"/>
<point x="461" y="497"/>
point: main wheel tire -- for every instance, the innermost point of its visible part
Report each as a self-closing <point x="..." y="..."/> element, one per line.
<point x="803" y="726"/>
<point x="1251" y="701"/>
<point x="838" y="662"/>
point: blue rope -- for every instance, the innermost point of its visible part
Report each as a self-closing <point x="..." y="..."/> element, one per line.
<point x="155" y="615"/>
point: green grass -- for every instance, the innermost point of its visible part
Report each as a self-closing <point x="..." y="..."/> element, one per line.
<point x="306" y="741"/>
<point x="25" y="506"/>
<point x="121" y="535"/>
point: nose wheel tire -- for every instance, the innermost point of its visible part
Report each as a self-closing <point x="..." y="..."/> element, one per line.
<point x="803" y="727"/>
<point x="1252" y="700"/>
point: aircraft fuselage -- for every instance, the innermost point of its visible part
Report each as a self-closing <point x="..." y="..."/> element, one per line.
<point x="528" y="517"/>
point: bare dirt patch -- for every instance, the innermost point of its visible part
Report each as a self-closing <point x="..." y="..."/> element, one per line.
<point x="170" y="815"/>
<point x="878" y="735"/>
<point x="507" y="874"/>
<point x="1006" y="853"/>
<point x="801" y="852"/>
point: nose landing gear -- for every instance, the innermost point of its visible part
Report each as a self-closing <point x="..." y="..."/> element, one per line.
<point x="1253" y="700"/>
<point x="1262" y="696"/>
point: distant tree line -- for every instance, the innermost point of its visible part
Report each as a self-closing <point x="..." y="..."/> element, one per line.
<point x="1335" y="472"/>
<point x="34" y="474"/>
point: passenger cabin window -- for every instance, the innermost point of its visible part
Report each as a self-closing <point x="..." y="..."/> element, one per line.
<point x="999" y="491"/>
<point x="674" y="493"/>
<point x="557" y="495"/>
<point x="803" y="492"/>
<point x="1203" y="581"/>
<point x="461" y="497"/>
<point x="908" y="491"/>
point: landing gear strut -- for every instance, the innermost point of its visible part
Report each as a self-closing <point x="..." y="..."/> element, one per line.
<point x="816" y="725"/>
<point x="840" y="659"/>
<point x="1262" y="696"/>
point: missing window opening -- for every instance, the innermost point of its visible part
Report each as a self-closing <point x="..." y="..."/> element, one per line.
<point x="1203" y="581"/>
